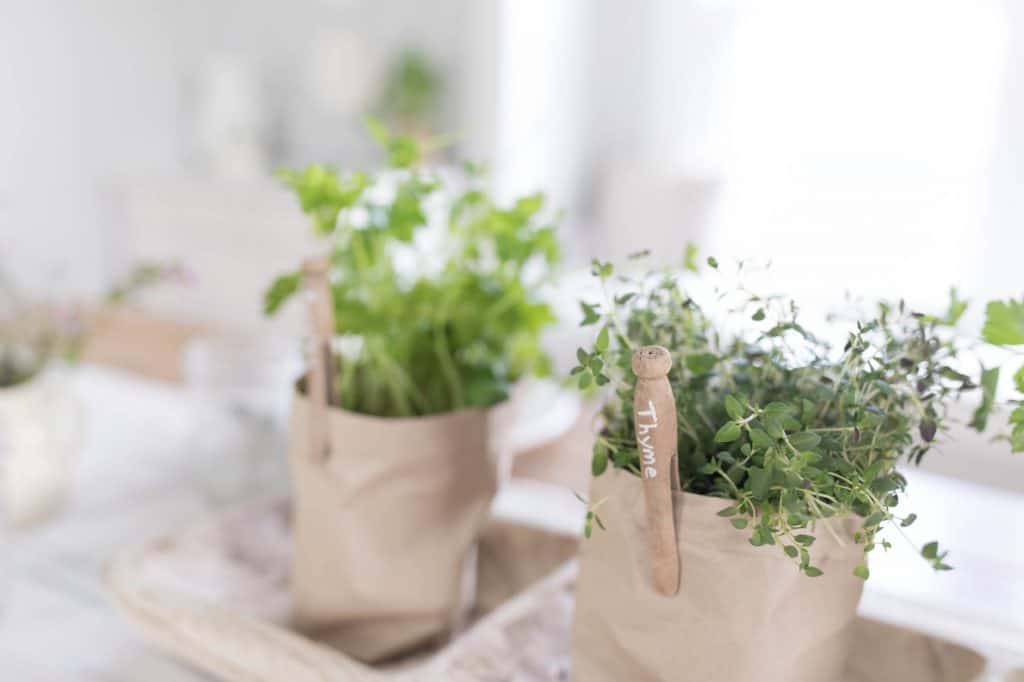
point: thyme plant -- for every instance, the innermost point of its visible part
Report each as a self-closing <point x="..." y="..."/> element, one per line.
<point x="770" y="416"/>
<point x="436" y="288"/>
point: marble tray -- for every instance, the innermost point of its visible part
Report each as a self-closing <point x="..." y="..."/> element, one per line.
<point x="216" y="596"/>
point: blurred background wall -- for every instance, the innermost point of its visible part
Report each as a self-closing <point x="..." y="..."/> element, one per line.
<point x="871" y="147"/>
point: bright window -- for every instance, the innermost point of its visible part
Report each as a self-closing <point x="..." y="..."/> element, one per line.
<point x="861" y="136"/>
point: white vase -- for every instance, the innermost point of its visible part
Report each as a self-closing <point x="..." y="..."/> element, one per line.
<point x="40" y="432"/>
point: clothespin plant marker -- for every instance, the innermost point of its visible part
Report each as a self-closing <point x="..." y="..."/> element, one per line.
<point x="320" y="377"/>
<point x="654" y="412"/>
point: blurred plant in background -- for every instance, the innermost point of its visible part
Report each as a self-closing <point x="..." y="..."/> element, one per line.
<point x="1004" y="327"/>
<point x="410" y="99"/>
<point x="436" y="289"/>
<point x="34" y="333"/>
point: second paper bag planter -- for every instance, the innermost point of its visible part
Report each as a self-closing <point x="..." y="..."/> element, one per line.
<point x="669" y="590"/>
<point x="386" y="525"/>
<point x="741" y="614"/>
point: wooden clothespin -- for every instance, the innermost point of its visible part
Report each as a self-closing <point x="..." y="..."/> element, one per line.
<point x="321" y="360"/>
<point x="654" y="412"/>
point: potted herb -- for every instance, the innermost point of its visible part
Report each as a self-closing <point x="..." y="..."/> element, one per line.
<point x="744" y="471"/>
<point x="429" y="309"/>
<point x="40" y="418"/>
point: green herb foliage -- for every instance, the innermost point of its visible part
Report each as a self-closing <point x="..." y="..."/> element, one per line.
<point x="465" y="323"/>
<point x="796" y="433"/>
<point x="1004" y="326"/>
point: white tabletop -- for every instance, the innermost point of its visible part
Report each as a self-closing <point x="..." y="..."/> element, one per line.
<point x="981" y="601"/>
<point x="132" y="482"/>
<point x="136" y="479"/>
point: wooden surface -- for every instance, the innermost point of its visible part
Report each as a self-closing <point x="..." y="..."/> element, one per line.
<point x="136" y="342"/>
<point x="233" y="622"/>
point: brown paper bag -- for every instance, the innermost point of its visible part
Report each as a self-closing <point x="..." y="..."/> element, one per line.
<point x="742" y="613"/>
<point x="385" y="526"/>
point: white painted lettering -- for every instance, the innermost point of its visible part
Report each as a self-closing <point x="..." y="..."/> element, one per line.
<point x="650" y="412"/>
<point x="643" y="437"/>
